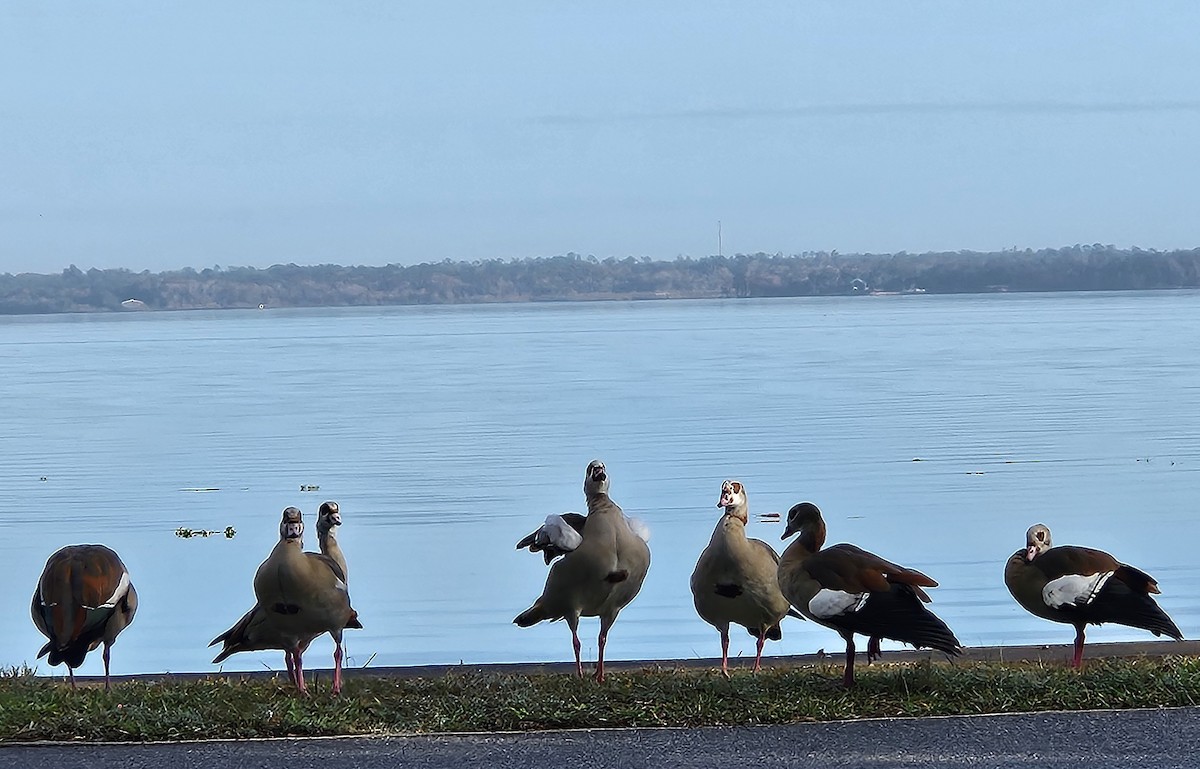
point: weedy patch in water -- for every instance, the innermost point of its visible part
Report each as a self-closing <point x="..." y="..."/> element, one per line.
<point x="186" y="533"/>
<point x="36" y="708"/>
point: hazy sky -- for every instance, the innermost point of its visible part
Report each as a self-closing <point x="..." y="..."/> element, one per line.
<point x="156" y="135"/>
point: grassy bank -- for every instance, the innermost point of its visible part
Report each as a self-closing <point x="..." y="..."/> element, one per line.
<point x="34" y="708"/>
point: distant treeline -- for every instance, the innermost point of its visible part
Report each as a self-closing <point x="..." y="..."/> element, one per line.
<point x="574" y="277"/>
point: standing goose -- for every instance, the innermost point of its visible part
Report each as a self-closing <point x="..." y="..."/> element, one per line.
<point x="83" y="598"/>
<point x="256" y="631"/>
<point x="852" y="591"/>
<point x="735" y="579"/>
<point x="329" y="517"/>
<point x="300" y="596"/>
<point x="600" y="576"/>
<point x="1081" y="586"/>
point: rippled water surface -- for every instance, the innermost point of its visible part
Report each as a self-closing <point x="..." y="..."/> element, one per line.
<point x="447" y="433"/>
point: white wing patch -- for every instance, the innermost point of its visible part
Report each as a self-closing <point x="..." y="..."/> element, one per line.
<point x="1074" y="589"/>
<point x="830" y="603"/>
<point x="118" y="594"/>
<point x="639" y="527"/>
<point x="559" y="533"/>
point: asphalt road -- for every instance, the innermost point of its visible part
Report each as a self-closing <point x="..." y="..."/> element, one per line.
<point x="1097" y="740"/>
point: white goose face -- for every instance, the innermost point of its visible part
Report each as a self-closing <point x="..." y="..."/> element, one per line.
<point x="328" y="516"/>
<point x="732" y="494"/>
<point x="595" y="479"/>
<point x="292" y="525"/>
<point x="1037" y="541"/>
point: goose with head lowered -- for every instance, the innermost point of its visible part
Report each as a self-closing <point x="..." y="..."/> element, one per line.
<point x="83" y="599"/>
<point x="735" y="579"/>
<point x="300" y="596"/>
<point x="599" y="576"/>
<point x="1081" y="586"/>
<point x="852" y="591"/>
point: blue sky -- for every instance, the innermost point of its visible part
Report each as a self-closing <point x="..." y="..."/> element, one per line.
<point x="162" y="135"/>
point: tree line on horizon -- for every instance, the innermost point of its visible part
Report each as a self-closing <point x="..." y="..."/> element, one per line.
<point x="572" y="277"/>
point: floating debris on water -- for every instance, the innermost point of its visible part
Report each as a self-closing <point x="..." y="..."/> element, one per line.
<point x="200" y="489"/>
<point x="306" y="487"/>
<point x="185" y="533"/>
<point x="43" y="478"/>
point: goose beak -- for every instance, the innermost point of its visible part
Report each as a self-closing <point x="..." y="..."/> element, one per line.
<point x="1031" y="553"/>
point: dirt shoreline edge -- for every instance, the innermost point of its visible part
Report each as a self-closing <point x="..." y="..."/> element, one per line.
<point x="1041" y="653"/>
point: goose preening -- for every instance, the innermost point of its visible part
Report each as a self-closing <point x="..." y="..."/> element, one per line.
<point x="84" y="598"/>
<point x="597" y="578"/>
<point x="1081" y="586"/>
<point x="559" y="535"/>
<point x="852" y="591"/>
<point x="300" y="596"/>
<point x="735" y="579"/>
<point x="562" y="533"/>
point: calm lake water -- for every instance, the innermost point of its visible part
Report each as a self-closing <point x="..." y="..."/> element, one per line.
<point x="447" y="433"/>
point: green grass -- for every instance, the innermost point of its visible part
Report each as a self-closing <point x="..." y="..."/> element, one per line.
<point x="35" y="708"/>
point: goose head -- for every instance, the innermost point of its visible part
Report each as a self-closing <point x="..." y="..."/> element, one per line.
<point x="595" y="479"/>
<point x="802" y="516"/>
<point x="291" y="528"/>
<point x="1037" y="541"/>
<point x="733" y="500"/>
<point x="328" y="516"/>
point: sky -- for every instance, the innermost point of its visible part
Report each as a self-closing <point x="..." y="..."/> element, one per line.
<point x="151" y="135"/>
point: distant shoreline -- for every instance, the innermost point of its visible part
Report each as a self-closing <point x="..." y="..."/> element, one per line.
<point x="576" y="278"/>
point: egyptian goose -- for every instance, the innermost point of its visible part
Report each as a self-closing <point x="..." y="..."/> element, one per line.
<point x="329" y="517"/>
<point x="1081" y="586"/>
<point x="735" y="578"/>
<point x="600" y="576"/>
<point x="300" y="596"/>
<point x="83" y="598"/>
<point x="249" y="632"/>
<point x="559" y="535"/>
<point x="852" y="591"/>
